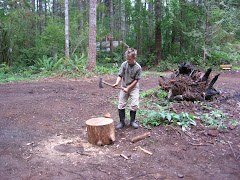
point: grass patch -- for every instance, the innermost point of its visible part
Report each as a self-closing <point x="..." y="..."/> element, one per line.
<point x="149" y="73"/>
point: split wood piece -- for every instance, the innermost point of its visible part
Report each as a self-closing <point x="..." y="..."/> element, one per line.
<point x="107" y="115"/>
<point x="100" y="131"/>
<point x="138" y="138"/>
<point x="144" y="150"/>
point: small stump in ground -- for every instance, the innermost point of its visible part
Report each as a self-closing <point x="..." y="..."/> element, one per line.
<point x="100" y="131"/>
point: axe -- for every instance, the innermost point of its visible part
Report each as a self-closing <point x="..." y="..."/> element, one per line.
<point x="103" y="82"/>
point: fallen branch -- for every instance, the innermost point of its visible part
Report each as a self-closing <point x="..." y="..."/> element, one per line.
<point x="138" y="138"/>
<point x="144" y="150"/>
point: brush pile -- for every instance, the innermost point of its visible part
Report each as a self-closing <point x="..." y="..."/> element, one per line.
<point x="189" y="83"/>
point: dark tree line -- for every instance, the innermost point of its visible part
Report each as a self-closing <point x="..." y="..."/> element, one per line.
<point x="161" y="30"/>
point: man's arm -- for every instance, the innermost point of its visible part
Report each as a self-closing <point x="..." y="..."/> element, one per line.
<point x="119" y="78"/>
<point x="132" y="85"/>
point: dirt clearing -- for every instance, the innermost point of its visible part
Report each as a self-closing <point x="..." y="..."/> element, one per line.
<point x="43" y="135"/>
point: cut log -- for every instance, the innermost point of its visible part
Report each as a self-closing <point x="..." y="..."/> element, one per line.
<point x="100" y="131"/>
<point x="226" y="66"/>
<point x="138" y="138"/>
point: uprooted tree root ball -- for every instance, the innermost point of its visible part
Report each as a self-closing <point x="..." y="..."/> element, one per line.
<point x="189" y="84"/>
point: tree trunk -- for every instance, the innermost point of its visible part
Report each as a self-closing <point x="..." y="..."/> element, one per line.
<point x="54" y="9"/>
<point x="119" y="21"/>
<point x="33" y="5"/>
<point x="66" y="30"/>
<point x="92" y="35"/>
<point x="158" y="34"/>
<point x="123" y="28"/>
<point x="206" y="33"/>
<point x="100" y="131"/>
<point x="80" y="7"/>
<point x="103" y="12"/>
<point x="40" y="15"/>
<point x="111" y="28"/>
<point x="138" y="10"/>
<point x="150" y="10"/>
<point x="180" y="30"/>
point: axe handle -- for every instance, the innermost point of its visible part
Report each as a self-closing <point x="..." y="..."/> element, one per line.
<point x="111" y="85"/>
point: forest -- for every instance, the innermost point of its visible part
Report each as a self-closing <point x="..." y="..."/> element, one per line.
<point x="74" y="36"/>
<point x="61" y="51"/>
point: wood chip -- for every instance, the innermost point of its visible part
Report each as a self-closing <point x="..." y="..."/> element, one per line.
<point x="107" y="115"/>
<point x="124" y="156"/>
<point x="144" y="150"/>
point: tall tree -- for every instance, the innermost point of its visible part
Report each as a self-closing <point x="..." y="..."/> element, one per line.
<point x="66" y="30"/>
<point x="40" y="15"/>
<point x="111" y="28"/>
<point x="150" y="26"/>
<point x="206" y="32"/>
<point x="54" y="7"/>
<point x="92" y="35"/>
<point x="138" y="27"/>
<point x="158" y="33"/>
<point x="123" y="27"/>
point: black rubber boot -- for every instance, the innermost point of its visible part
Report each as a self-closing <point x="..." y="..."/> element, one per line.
<point x="133" y="123"/>
<point x="122" y="118"/>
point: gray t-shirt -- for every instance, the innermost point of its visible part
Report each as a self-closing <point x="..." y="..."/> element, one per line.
<point x="129" y="73"/>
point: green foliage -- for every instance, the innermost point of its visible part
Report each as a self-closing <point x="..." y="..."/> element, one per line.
<point x="9" y="74"/>
<point x="157" y="92"/>
<point x="164" y="66"/>
<point x="146" y="60"/>
<point x="153" y="113"/>
<point x="76" y="63"/>
<point x="148" y="93"/>
<point x="104" y="70"/>
<point x="49" y="63"/>
<point x="215" y="119"/>
<point x="4" y="69"/>
<point x="51" y="41"/>
<point x="157" y="118"/>
<point x="183" y="27"/>
<point x="149" y="73"/>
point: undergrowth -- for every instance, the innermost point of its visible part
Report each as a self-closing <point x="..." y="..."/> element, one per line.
<point x="53" y="66"/>
<point x="154" y="112"/>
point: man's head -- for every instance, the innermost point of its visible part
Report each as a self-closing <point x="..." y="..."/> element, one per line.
<point x="131" y="55"/>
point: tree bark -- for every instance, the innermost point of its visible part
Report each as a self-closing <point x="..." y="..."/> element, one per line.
<point x="92" y="35"/>
<point x="111" y="28"/>
<point x="150" y="10"/>
<point x="123" y="28"/>
<point x="80" y="7"/>
<point x="138" y="10"/>
<point x="66" y="30"/>
<point x="33" y="5"/>
<point x="40" y="15"/>
<point x="206" y="33"/>
<point x="100" y="131"/>
<point x="158" y="34"/>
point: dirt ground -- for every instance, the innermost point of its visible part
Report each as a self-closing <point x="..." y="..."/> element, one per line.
<point x="43" y="135"/>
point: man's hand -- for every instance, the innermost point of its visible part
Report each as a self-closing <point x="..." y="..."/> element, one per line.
<point x="115" y="85"/>
<point x="117" y="82"/>
<point x="125" y="90"/>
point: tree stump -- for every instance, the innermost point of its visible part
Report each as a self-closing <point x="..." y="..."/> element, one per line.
<point x="100" y="131"/>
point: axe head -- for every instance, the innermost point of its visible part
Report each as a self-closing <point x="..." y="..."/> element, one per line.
<point x="100" y="83"/>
